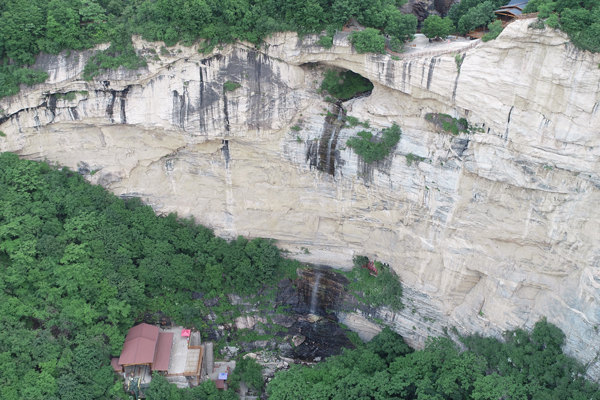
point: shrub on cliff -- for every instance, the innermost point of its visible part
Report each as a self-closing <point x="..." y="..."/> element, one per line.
<point x="375" y="149"/>
<point x="495" y="30"/>
<point x="368" y="41"/>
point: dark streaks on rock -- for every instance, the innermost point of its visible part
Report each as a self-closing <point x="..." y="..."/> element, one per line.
<point x="430" y="73"/>
<point x="123" y="98"/>
<point x="111" y="105"/>
<point x="225" y="151"/>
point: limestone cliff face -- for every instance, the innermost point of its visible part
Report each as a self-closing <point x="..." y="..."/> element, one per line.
<point x="490" y="231"/>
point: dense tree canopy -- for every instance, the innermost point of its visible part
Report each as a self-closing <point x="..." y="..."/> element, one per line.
<point x="78" y="266"/>
<point x="28" y="27"/>
<point x="528" y="366"/>
<point x="579" y="18"/>
<point x="434" y="27"/>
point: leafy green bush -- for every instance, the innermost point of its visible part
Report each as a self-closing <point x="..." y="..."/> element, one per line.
<point x="449" y="123"/>
<point x="344" y="85"/>
<point x="395" y="45"/>
<point x="352" y="121"/>
<point x="495" y="30"/>
<point x="369" y="40"/>
<point x="69" y="96"/>
<point x="384" y="289"/>
<point x="458" y="10"/>
<point x="371" y="150"/>
<point x="326" y="41"/>
<point x="249" y="371"/>
<point x="480" y="15"/>
<point x="230" y="86"/>
<point x="120" y="53"/>
<point x="411" y="158"/>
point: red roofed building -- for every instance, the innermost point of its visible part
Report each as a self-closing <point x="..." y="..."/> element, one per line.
<point x="145" y="345"/>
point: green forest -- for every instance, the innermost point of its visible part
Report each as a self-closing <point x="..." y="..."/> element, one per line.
<point x="79" y="266"/>
<point x="526" y="366"/>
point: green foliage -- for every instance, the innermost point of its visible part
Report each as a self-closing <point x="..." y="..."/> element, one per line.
<point x="480" y="15"/>
<point x="389" y="345"/>
<point x="384" y="289"/>
<point x="230" y="86"/>
<point x="579" y="18"/>
<point x="371" y="149"/>
<point x="434" y="27"/>
<point x="458" y="10"/>
<point x="120" y="53"/>
<point x="450" y="124"/>
<point x="459" y="60"/>
<point x="326" y="41"/>
<point x="369" y="40"/>
<point x="396" y="45"/>
<point x="527" y="366"/>
<point x="28" y="27"/>
<point x="495" y="30"/>
<point x="411" y="158"/>
<point x="249" y="371"/>
<point x="344" y="85"/>
<point x="295" y="128"/>
<point x="552" y="21"/>
<point x="11" y="76"/>
<point x="401" y="27"/>
<point x="161" y="389"/>
<point x="78" y="266"/>
<point x="2" y="134"/>
<point x="69" y="96"/>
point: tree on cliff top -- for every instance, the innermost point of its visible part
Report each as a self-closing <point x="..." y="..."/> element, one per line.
<point x="369" y="40"/>
<point x="434" y="27"/>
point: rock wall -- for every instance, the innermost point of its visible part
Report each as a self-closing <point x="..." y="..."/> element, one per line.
<point x="490" y="231"/>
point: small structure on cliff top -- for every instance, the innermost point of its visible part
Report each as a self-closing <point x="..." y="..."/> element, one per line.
<point x="512" y="10"/>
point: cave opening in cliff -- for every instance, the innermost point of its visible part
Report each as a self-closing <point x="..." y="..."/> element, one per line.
<point x="340" y="84"/>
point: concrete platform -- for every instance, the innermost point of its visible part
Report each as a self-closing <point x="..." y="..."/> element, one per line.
<point x="178" y="352"/>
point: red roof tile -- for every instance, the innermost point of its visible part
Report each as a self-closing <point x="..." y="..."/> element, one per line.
<point x="140" y="345"/>
<point x="162" y="354"/>
<point x="115" y="364"/>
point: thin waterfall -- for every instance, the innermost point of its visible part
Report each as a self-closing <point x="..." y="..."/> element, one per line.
<point x="315" y="291"/>
<point x="333" y="136"/>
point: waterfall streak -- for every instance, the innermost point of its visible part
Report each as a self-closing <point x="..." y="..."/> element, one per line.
<point x="313" y="298"/>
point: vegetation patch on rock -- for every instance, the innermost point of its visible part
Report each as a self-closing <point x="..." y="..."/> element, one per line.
<point x="450" y="124"/>
<point x="372" y="148"/>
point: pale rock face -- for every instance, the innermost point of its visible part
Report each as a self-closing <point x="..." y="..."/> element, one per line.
<point x="490" y="232"/>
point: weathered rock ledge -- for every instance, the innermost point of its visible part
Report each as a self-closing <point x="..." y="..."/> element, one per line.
<point x="491" y="231"/>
